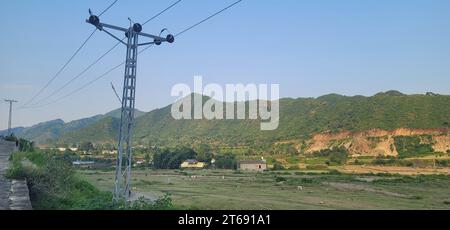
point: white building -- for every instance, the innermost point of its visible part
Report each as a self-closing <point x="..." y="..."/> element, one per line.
<point x="260" y="165"/>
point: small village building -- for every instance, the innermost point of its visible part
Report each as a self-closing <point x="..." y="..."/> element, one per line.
<point x="259" y="165"/>
<point x="109" y="152"/>
<point x="193" y="164"/>
<point x="83" y="164"/>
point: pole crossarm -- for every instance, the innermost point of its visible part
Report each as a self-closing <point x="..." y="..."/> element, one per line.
<point x="137" y="28"/>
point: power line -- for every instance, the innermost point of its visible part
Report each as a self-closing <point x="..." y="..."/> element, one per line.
<point x="60" y="70"/>
<point x="87" y="84"/>
<point x="208" y="18"/>
<point x="109" y="7"/>
<point x="143" y="50"/>
<point x="169" y="7"/>
<point x="78" y="75"/>
<point x="67" y="63"/>
<point x="36" y="105"/>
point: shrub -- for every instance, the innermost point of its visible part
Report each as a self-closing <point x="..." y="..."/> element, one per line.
<point x="294" y="167"/>
<point x="172" y="159"/>
<point x="26" y="146"/>
<point x="358" y="162"/>
<point x="443" y="163"/>
<point x="278" y="166"/>
<point x="163" y="203"/>
<point x="335" y="155"/>
<point x="339" y="157"/>
<point x="54" y="185"/>
<point x="317" y="167"/>
<point x="334" y="172"/>
<point x="413" y="146"/>
<point x="226" y="161"/>
<point x="279" y="179"/>
<point x="307" y="181"/>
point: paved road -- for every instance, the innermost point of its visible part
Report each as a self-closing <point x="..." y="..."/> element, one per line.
<point x="6" y="149"/>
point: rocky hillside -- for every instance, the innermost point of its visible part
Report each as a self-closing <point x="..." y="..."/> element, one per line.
<point x="382" y="142"/>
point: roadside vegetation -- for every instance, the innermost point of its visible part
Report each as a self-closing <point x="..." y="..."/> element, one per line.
<point x="55" y="185"/>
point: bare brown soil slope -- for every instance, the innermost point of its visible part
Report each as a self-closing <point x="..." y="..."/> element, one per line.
<point x="375" y="142"/>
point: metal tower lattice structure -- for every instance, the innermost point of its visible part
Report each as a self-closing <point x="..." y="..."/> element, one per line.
<point x="122" y="186"/>
<point x="10" y="115"/>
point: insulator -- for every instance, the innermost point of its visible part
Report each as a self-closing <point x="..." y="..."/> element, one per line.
<point x="94" y="20"/>
<point x="137" y="27"/>
<point x="157" y="42"/>
<point x="170" y="38"/>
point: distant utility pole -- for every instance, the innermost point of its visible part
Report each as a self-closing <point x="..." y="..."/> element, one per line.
<point x="10" y="115"/>
<point x="123" y="169"/>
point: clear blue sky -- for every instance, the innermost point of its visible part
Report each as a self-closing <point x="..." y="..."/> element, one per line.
<point x="310" y="48"/>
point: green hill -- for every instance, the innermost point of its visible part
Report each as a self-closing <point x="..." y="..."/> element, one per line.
<point x="48" y="132"/>
<point x="299" y="119"/>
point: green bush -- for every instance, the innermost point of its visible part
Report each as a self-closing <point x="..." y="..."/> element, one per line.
<point x="279" y="179"/>
<point x="413" y="146"/>
<point x="26" y="146"/>
<point x="381" y="160"/>
<point x="172" y="159"/>
<point x="335" y="155"/>
<point x="278" y="166"/>
<point x="164" y="203"/>
<point x="443" y="163"/>
<point x="317" y="167"/>
<point x="302" y="181"/>
<point x="295" y="167"/>
<point x="226" y="161"/>
<point x="334" y="172"/>
<point x="339" y="157"/>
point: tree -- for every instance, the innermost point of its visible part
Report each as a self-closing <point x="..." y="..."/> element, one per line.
<point x="226" y="161"/>
<point x="172" y="159"/>
<point x="147" y="158"/>
<point x="338" y="156"/>
<point x="204" y="153"/>
<point x="278" y="166"/>
<point x="87" y="146"/>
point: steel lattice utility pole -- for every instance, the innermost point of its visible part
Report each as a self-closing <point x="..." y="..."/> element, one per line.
<point x="10" y="115"/>
<point x="122" y="186"/>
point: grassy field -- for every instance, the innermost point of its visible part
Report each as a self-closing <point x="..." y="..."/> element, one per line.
<point x="231" y="190"/>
